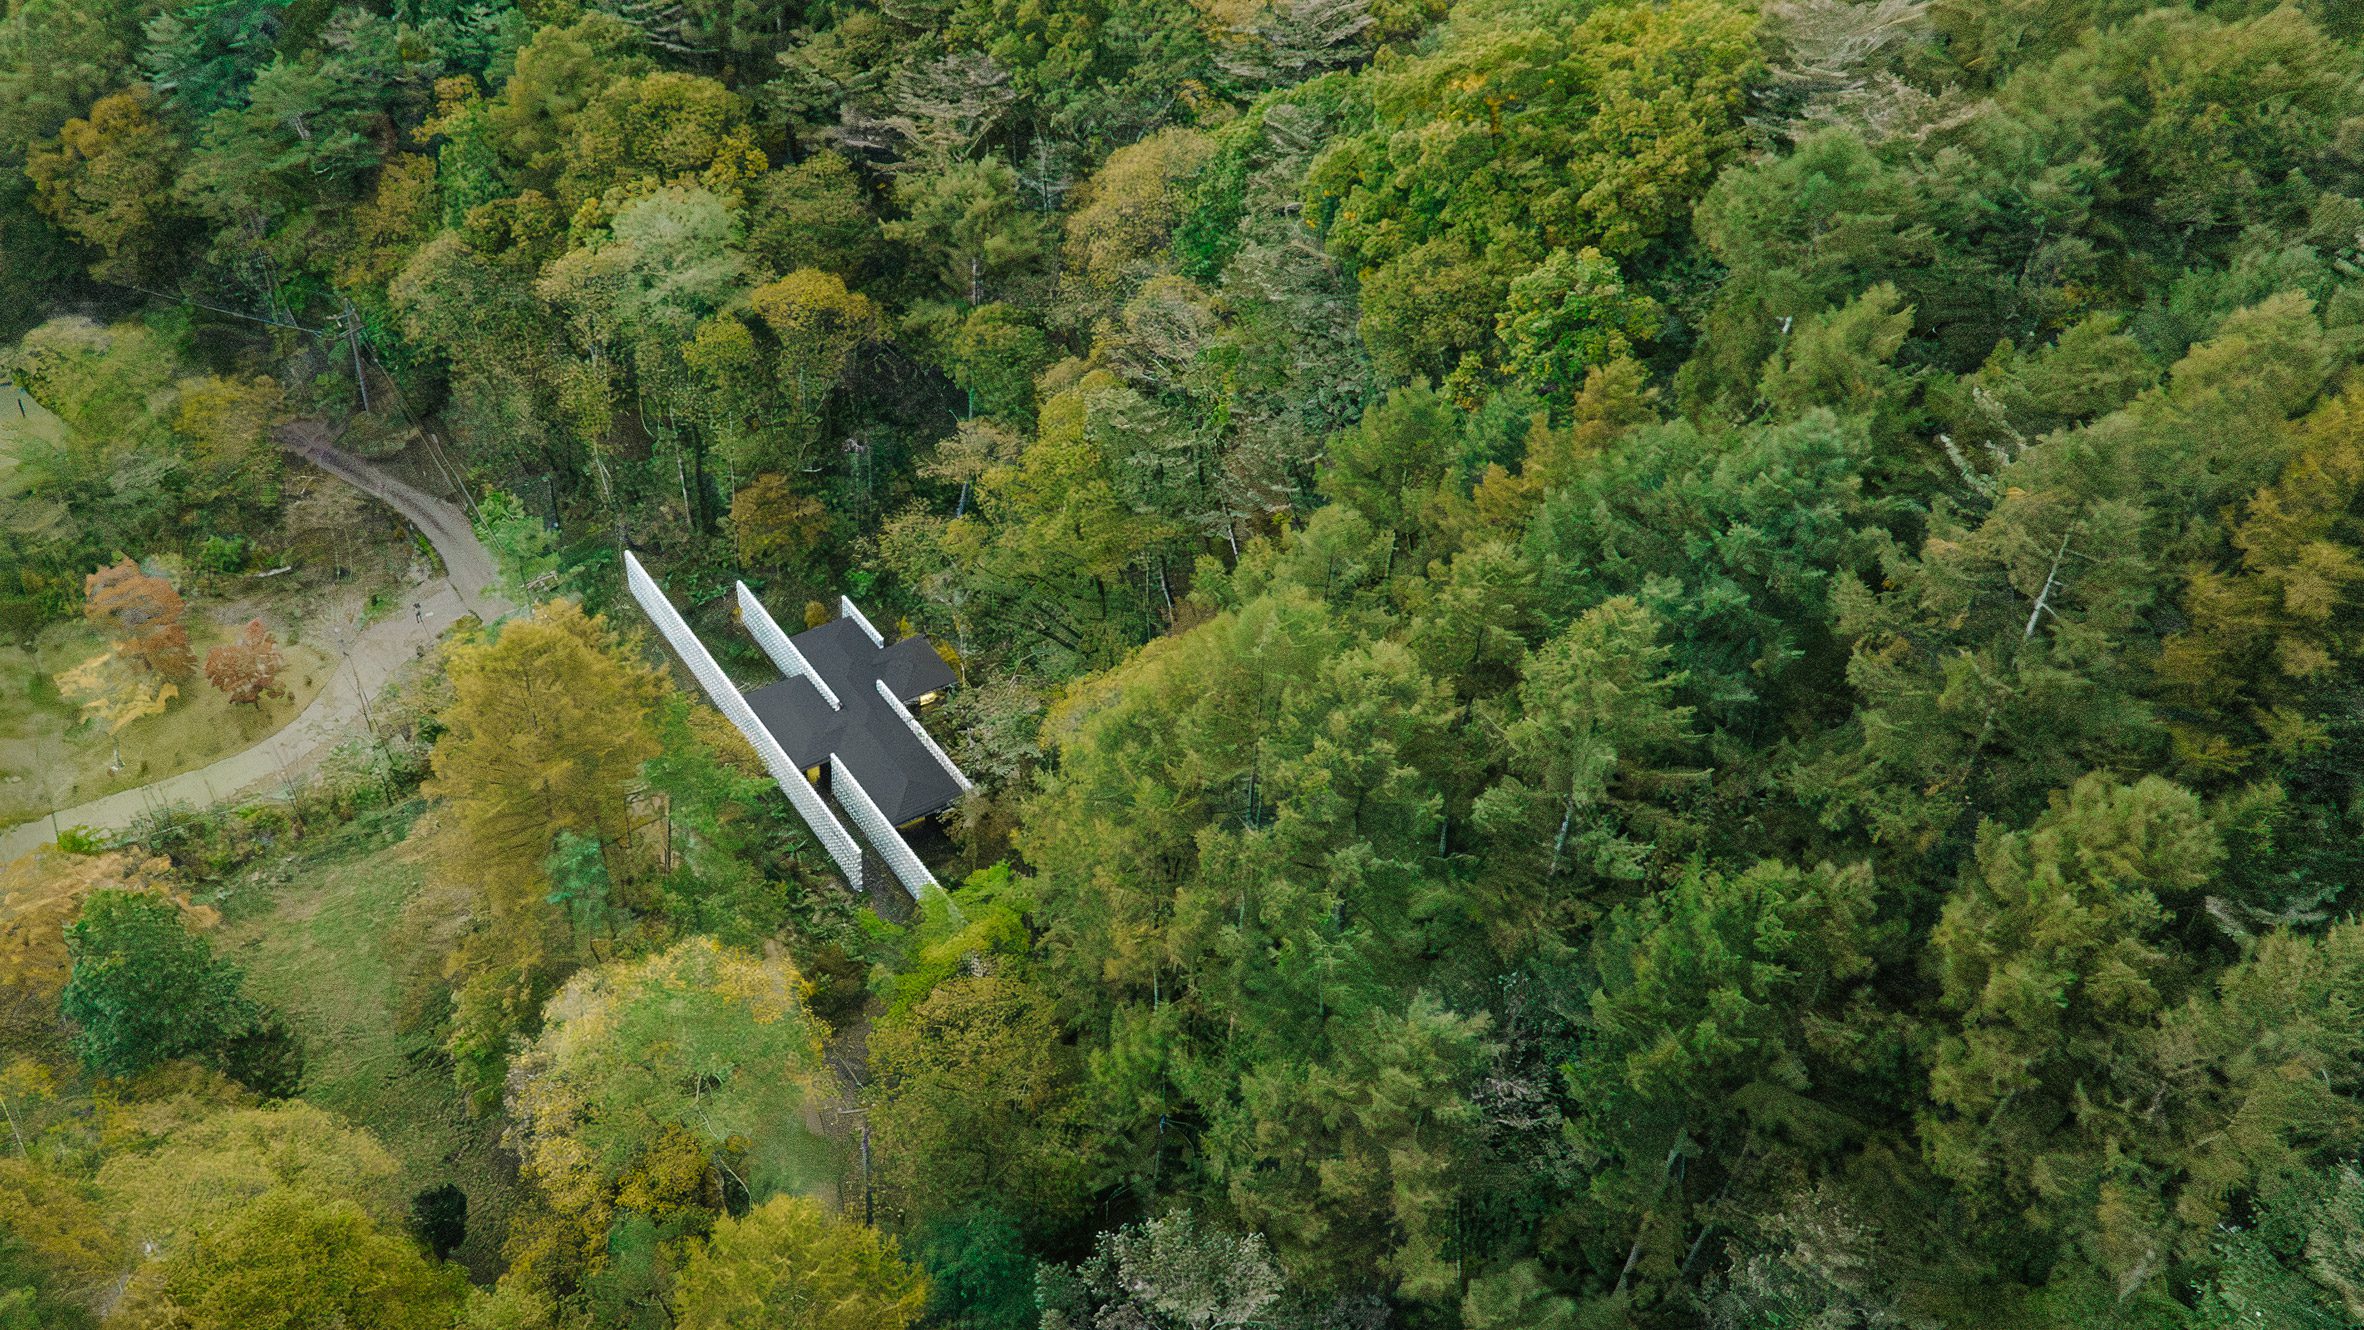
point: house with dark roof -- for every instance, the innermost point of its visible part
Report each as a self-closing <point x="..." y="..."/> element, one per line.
<point x="840" y="721"/>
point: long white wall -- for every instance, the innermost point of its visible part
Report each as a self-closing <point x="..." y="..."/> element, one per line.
<point x="825" y="827"/>
<point x="776" y="645"/>
<point x="881" y="833"/>
<point x="920" y="732"/>
<point x="847" y="609"/>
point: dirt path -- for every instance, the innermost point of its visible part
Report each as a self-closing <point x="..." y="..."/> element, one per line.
<point x="336" y="714"/>
<point x="467" y="567"/>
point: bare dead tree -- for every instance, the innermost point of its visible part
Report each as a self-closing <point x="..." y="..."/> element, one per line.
<point x="1289" y="41"/>
<point x="943" y="110"/>
<point x="1835" y="62"/>
<point x="1048" y="172"/>
<point x="668" y="25"/>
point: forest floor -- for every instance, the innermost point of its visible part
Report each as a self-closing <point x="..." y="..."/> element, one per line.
<point x="322" y="934"/>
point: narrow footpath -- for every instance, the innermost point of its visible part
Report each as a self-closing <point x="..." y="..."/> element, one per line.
<point x="336" y="714"/>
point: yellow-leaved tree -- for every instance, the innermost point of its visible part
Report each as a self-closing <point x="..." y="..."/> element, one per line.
<point x="61" y="1258"/>
<point x="789" y="1265"/>
<point x="39" y="895"/>
<point x="548" y="726"/>
<point x="114" y="690"/>
<point x="544" y="739"/>
<point x="268" y="1219"/>
<point x="664" y="1083"/>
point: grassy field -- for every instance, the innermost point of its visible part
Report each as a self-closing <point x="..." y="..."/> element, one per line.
<point x="22" y="417"/>
<point x="50" y="759"/>
<point x="313" y="932"/>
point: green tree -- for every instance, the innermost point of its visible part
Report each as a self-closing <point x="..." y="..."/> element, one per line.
<point x="973" y="1104"/>
<point x="788" y="1264"/>
<point x="1517" y="135"/>
<point x="204" y="59"/>
<point x="108" y="182"/>
<point x="558" y="73"/>
<point x="2259" y="1084"/>
<point x="1392" y="465"/>
<point x="1568" y="315"/>
<point x="662" y="1080"/>
<point x="1051" y="541"/>
<point x="2053" y="955"/>
<point x="1430" y="311"/>
<point x="1590" y="738"/>
<point x="521" y="545"/>
<point x="580" y="887"/>
<point x="663" y="128"/>
<point x="1713" y="1031"/>
<point x="814" y="214"/>
<point x="819" y="326"/>
<point x="980" y="1275"/>
<point x="143" y="987"/>
<point x="1516" y="1297"/>
<point x="293" y="155"/>
<point x="966" y="224"/>
<point x="995" y="355"/>
<point x="1740" y="544"/>
<point x="40" y="896"/>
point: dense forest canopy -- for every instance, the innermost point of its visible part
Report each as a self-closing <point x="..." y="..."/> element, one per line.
<point x="1631" y="663"/>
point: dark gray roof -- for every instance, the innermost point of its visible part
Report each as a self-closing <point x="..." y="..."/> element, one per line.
<point x="901" y="776"/>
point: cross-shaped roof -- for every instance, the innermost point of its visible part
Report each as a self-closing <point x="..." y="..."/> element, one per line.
<point x="843" y="703"/>
<point x="869" y="729"/>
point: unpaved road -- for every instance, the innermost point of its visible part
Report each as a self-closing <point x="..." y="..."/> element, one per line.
<point x="336" y="713"/>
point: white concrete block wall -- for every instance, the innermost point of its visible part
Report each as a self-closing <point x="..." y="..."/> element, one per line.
<point x="825" y="827"/>
<point x="847" y="609"/>
<point x="881" y="833"/>
<point x="920" y="732"/>
<point x="776" y="645"/>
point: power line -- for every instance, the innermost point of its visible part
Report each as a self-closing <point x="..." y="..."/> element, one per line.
<point x="402" y="401"/>
<point x="232" y="313"/>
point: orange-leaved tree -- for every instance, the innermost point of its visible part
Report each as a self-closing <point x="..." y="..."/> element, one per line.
<point x="247" y="668"/>
<point x="142" y="614"/>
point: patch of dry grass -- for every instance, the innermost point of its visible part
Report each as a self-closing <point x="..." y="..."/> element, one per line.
<point x="316" y="934"/>
<point x="49" y="758"/>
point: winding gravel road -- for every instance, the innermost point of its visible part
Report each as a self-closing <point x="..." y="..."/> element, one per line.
<point x="336" y="712"/>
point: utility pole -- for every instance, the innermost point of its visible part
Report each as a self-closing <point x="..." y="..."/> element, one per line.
<point x="351" y="320"/>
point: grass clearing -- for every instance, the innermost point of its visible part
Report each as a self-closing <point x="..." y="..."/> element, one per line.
<point x="50" y="759"/>
<point x="23" y="418"/>
<point x="313" y="931"/>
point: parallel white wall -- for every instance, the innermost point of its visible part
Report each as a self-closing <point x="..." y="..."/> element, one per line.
<point x="920" y="732"/>
<point x="776" y="645"/>
<point x="847" y="609"/>
<point x="826" y="828"/>
<point x="881" y="833"/>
